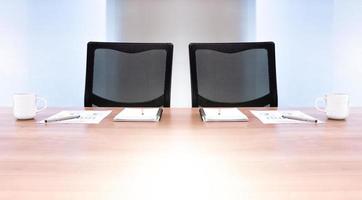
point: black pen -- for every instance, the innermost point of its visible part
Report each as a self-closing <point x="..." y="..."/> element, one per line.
<point x="300" y="118"/>
<point x="61" y="118"/>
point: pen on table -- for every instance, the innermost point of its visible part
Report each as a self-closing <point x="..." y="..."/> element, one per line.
<point x="300" y="118"/>
<point x="61" y="118"/>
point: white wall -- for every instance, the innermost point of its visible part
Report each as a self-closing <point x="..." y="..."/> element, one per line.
<point x="43" y="43"/>
<point x="181" y="22"/>
<point x="13" y="69"/>
<point x="43" y="47"/>
<point x="318" y="47"/>
<point x="347" y="48"/>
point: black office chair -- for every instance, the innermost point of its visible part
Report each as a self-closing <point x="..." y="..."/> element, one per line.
<point x="128" y="74"/>
<point x="233" y="74"/>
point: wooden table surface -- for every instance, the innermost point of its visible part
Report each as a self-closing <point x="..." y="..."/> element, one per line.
<point x="180" y="158"/>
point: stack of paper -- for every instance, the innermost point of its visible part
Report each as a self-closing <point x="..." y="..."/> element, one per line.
<point x="222" y="114"/>
<point x="85" y="116"/>
<point x="276" y="116"/>
<point x="139" y="114"/>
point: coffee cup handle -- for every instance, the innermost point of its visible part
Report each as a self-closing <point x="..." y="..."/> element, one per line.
<point x="45" y="103"/>
<point x="316" y="103"/>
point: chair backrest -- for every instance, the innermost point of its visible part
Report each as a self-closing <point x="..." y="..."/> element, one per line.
<point x="128" y="74"/>
<point x="233" y="74"/>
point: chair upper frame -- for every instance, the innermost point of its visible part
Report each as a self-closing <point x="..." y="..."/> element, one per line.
<point x="269" y="99"/>
<point x="91" y="99"/>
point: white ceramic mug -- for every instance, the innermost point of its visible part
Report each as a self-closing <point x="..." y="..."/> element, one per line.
<point x="336" y="105"/>
<point x="25" y="105"/>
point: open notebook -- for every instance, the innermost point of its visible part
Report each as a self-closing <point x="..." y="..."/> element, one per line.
<point x="222" y="114"/>
<point x="139" y="114"/>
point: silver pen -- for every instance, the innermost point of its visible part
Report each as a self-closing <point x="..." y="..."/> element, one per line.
<point x="61" y="118"/>
<point x="299" y="118"/>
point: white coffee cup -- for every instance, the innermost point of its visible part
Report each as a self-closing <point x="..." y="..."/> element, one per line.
<point x="336" y="105"/>
<point x="25" y="105"/>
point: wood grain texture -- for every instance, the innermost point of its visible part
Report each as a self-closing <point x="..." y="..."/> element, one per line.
<point x="180" y="158"/>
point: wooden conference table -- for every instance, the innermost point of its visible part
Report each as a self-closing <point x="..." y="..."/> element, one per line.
<point x="180" y="158"/>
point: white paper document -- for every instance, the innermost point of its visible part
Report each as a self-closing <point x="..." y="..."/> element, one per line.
<point x="86" y="116"/>
<point x="222" y="114"/>
<point x="276" y="116"/>
<point x="139" y="114"/>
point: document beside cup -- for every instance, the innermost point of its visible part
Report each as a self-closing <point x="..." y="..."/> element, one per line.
<point x="25" y="105"/>
<point x="77" y="117"/>
<point x="336" y="105"/>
